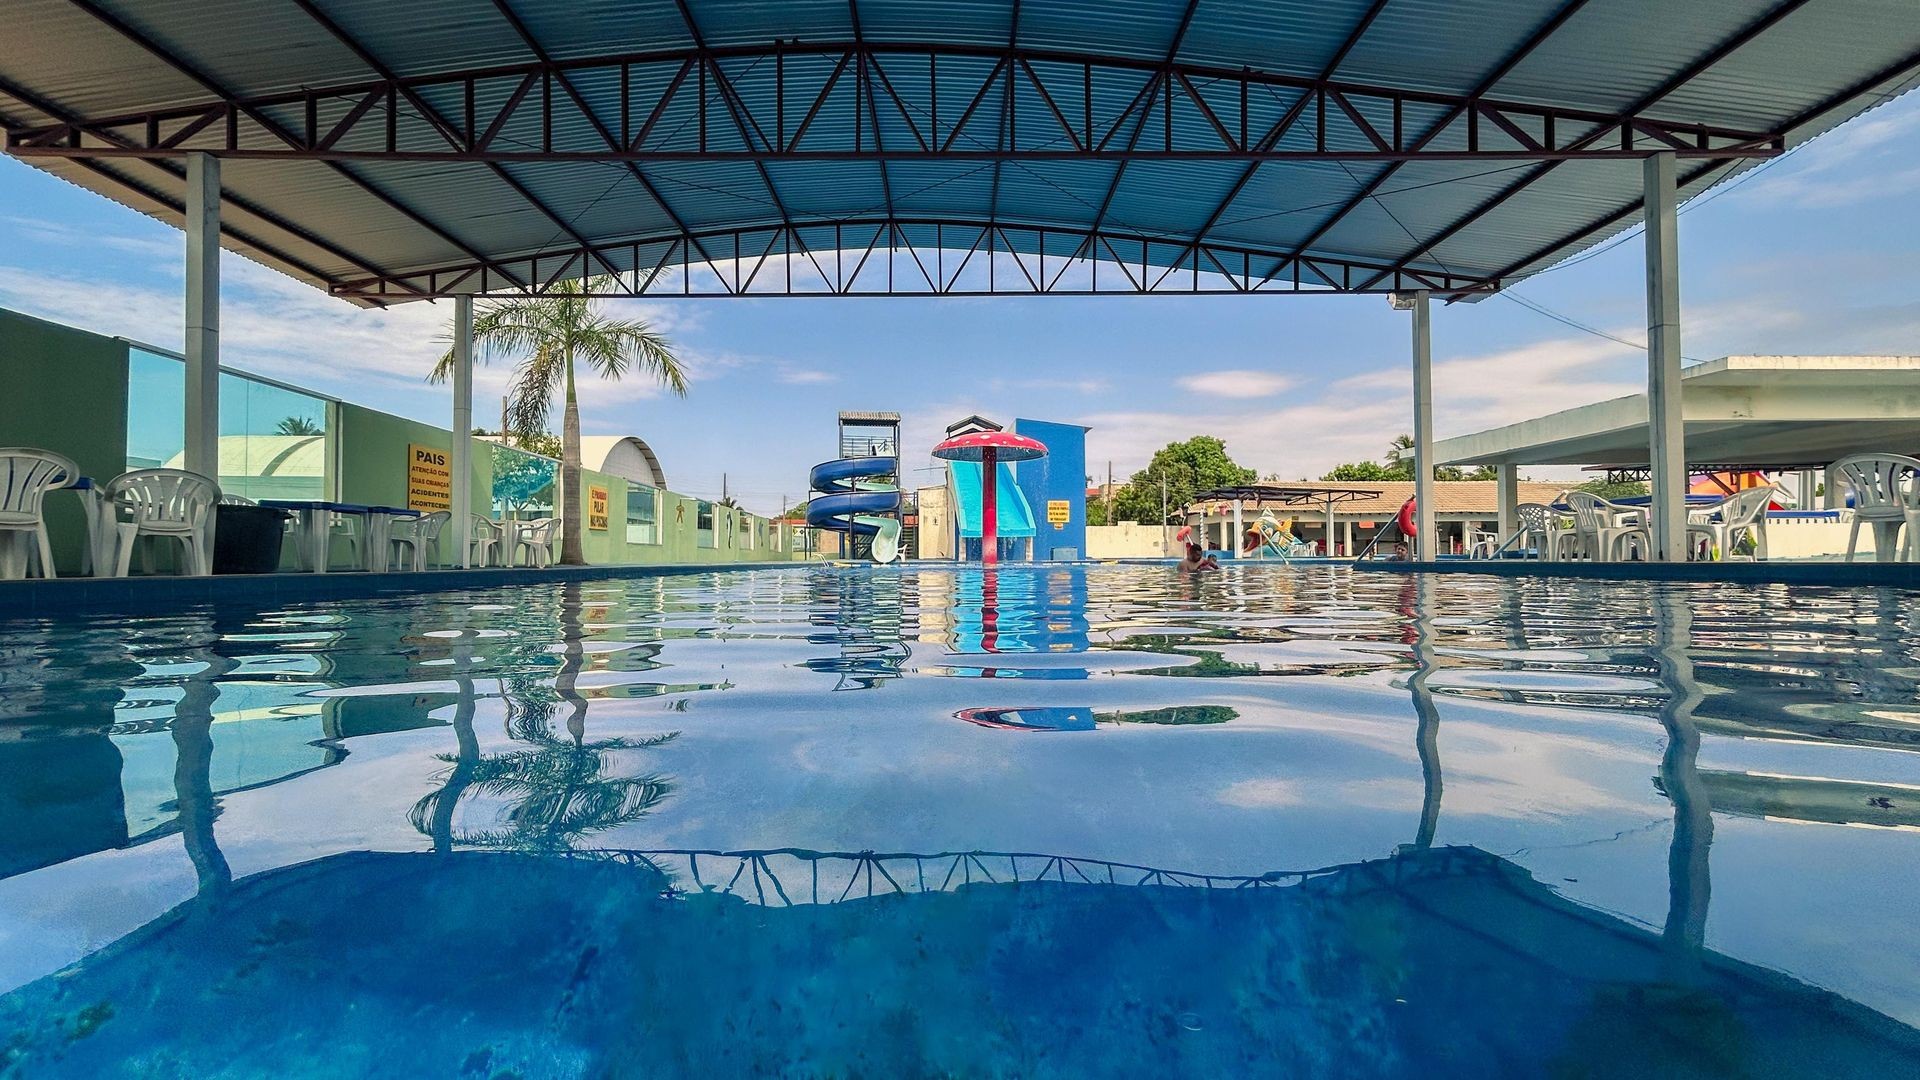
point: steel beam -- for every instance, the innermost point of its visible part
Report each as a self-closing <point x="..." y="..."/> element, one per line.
<point x="233" y="110"/>
<point x="1473" y="105"/>
<point x="861" y="236"/>
<point x="343" y="124"/>
<point x="1903" y="67"/>
<point x="1646" y="101"/>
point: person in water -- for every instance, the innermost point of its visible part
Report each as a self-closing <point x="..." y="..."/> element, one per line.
<point x="1198" y="560"/>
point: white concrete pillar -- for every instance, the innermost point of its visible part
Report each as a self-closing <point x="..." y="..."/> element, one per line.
<point x="1425" y="545"/>
<point x="1328" y="544"/>
<point x="1667" y="452"/>
<point x="1239" y="529"/>
<point x="1507" y="499"/>
<point x="1346" y="539"/>
<point x="203" y="316"/>
<point x="462" y="531"/>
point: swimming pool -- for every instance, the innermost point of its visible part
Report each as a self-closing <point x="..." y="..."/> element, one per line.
<point x="1034" y="821"/>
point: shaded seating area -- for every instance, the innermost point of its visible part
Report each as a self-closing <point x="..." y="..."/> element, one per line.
<point x="1829" y="437"/>
<point x="165" y="520"/>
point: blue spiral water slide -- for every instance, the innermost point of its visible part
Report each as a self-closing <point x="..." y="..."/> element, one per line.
<point x="853" y="502"/>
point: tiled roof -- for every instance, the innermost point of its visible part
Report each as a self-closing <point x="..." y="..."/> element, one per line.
<point x="1454" y="497"/>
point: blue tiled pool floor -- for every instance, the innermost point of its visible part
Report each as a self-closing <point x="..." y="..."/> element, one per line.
<point x="1063" y="821"/>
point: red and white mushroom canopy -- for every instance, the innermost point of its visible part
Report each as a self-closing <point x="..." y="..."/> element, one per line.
<point x="1006" y="446"/>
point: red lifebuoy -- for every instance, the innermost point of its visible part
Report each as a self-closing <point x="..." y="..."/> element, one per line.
<point x="1405" y="520"/>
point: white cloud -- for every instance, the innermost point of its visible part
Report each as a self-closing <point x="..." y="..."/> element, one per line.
<point x="805" y="376"/>
<point x="1265" y="793"/>
<point x="1352" y="418"/>
<point x="1236" y="384"/>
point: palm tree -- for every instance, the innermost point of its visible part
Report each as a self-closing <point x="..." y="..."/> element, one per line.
<point x="546" y="335"/>
<point x="1400" y="453"/>
<point x="297" y="425"/>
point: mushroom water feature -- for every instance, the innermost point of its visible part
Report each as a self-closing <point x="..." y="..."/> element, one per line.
<point x="990" y="448"/>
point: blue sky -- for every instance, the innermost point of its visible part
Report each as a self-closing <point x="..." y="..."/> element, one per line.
<point x="1814" y="254"/>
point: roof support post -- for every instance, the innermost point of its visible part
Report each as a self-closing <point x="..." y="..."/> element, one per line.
<point x="1425" y="510"/>
<point x="1507" y="499"/>
<point x="463" y="430"/>
<point x="1666" y="427"/>
<point x="202" y="450"/>
<point x="1239" y="530"/>
<point x="1326" y="544"/>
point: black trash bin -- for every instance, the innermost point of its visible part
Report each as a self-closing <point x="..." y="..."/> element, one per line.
<point x="246" y="539"/>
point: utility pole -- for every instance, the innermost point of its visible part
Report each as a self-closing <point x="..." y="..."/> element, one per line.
<point x="1109" y="492"/>
<point x="503" y="421"/>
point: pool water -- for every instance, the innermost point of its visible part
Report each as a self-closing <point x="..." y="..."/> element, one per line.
<point x="1039" y="821"/>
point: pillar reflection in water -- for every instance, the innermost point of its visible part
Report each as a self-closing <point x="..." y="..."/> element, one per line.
<point x="196" y="805"/>
<point x="1688" y="881"/>
<point x="1416" y="604"/>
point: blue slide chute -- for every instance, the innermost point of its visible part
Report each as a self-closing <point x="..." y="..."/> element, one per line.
<point x="852" y="501"/>
<point x="1010" y="503"/>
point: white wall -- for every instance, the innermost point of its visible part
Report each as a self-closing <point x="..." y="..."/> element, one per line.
<point x="1127" y="540"/>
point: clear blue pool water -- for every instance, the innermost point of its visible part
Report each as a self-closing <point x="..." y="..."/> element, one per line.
<point x="1072" y="821"/>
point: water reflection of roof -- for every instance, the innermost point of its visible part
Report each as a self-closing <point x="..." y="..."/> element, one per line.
<point x="1446" y="961"/>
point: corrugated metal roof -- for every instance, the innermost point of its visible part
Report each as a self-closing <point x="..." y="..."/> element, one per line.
<point x="1802" y="71"/>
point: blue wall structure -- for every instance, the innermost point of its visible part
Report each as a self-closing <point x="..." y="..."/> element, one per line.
<point x="1061" y="475"/>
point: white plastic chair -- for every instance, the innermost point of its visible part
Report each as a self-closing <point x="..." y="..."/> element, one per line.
<point x="536" y="539"/>
<point x="415" y="536"/>
<point x="1886" y="495"/>
<point x="26" y="475"/>
<point x="486" y="541"/>
<point x="1605" y="530"/>
<point x="168" y="504"/>
<point x="1539" y="529"/>
<point x="1740" y="513"/>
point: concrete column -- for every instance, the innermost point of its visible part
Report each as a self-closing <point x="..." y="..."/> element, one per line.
<point x="462" y="531"/>
<point x="1425" y="546"/>
<point x="1665" y="427"/>
<point x="1329" y="542"/>
<point x="1239" y="529"/>
<point x="1346" y="539"/>
<point x="1507" y="480"/>
<point x="203" y="316"/>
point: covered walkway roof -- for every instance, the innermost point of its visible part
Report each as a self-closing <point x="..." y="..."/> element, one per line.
<point x="1753" y="411"/>
<point x="388" y="151"/>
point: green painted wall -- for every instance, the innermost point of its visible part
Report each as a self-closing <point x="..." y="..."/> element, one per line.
<point x="65" y="391"/>
<point x="72" y="399"/>
<point x="679" y="537"/>
<point x="373" y="457"/>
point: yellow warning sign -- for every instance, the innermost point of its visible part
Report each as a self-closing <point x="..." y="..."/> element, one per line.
<point x="1059" y="512"/>
<point x="597" y="508"/>
<point x="429" y="478"/>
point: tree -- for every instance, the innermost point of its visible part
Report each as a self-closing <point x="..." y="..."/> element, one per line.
<point x="546" y="335"/>
<point x="1189" y="468"/>
<point x="297" y="425"/>
<point x="1400" y="454"/>
<point x="544" y="443"/>
<point x="1367" y="471"/>
<point x="1613" y="489"/>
